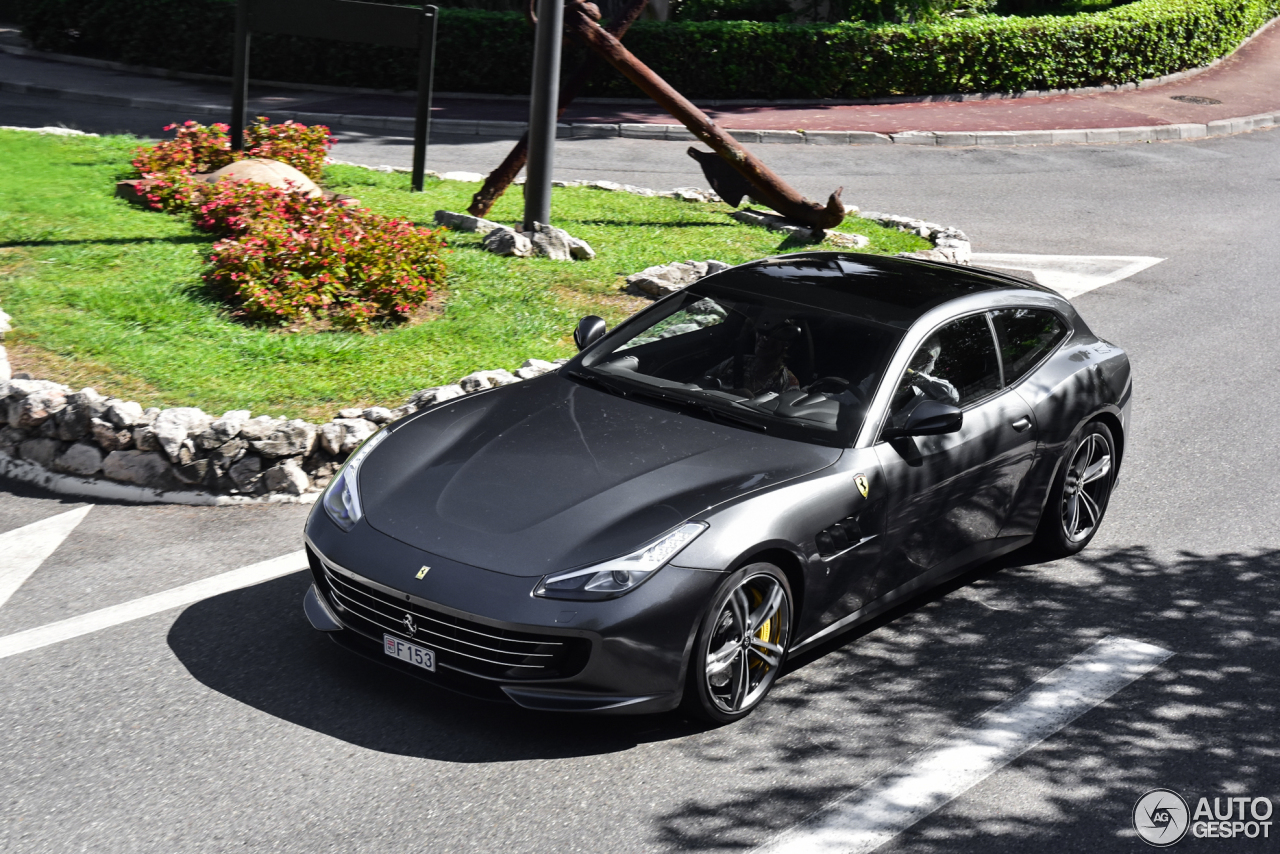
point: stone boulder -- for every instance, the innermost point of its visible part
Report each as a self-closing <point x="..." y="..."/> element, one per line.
<point x="534" y="368"/>
<point x="270" y="172"/>
<point x="287" y="478"/>
<point x="508" y="242"/>
<point x="81" y="459"/>
<point x="40" y="451"/>
<point x="247" y="473"/>
<point x="580" y="249"/>
<point x="142" y="468"/>
<point x="33" y="402"/>
<point x="480" y="380"/>
<point x="847" y="240"/>
<point x="466" y="222"/>
<point x="550" y="242"/>
<point x="172" y="428"/>
<point x="109" y="437"/>
<point x="668" y="278"/>
<point x="123" y="413"/>
<point x="377" y="414"/>
<point x="290" y="439"/>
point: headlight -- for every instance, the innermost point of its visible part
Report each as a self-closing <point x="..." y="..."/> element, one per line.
<point x="615" y="577"/>
<point x="342" y="498"/>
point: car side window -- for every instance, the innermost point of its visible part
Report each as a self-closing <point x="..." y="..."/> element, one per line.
<point x="1026" y="336"/>
<point x="956" y="365"/>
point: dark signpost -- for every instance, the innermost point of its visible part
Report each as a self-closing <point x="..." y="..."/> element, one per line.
<point x="542" y="112"/>
<point x="340" y="20"/>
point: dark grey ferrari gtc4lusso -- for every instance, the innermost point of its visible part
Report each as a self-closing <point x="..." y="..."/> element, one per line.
<point x="776" y="453"/>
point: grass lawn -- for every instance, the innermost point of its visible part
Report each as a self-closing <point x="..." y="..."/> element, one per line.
<point x="107" y="294"/>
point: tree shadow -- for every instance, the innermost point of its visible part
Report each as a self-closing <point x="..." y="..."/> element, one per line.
<point x="1201" y="724"/>
<point x="256" y="646"/>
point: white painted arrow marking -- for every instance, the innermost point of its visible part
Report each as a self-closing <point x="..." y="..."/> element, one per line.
<point x="1069" y="275"/>
<point x="24" y="549"/>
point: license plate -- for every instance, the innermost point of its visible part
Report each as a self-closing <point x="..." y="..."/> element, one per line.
<point x="410" y="652"/>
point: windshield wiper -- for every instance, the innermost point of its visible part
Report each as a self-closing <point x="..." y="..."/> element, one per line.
<point x="701" y="404"/>
<point x="597" y="383"/>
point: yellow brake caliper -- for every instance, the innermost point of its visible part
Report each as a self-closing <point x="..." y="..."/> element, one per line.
<point x="764" y="632"/>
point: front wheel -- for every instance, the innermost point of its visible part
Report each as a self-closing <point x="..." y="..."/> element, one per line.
<point x="741" y="644"/>
<point x="1080" y="492"/>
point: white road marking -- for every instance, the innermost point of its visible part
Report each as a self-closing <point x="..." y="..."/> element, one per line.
<point x="893" y="802"/>
<point x="74" y="627"/>
<point x="24" y="549"/>
<point x="1069" y="275"/>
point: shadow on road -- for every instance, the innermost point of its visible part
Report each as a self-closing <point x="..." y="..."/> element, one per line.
<point x="255" y="646"/>
<point x="1202" y="724"/>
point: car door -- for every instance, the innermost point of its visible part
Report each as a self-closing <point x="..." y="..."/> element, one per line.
<point x="948" y="496"/>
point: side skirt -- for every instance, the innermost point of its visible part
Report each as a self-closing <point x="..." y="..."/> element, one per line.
<point x="925" y="581"/>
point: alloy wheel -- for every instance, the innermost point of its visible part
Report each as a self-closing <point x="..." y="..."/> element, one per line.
<point x="1086" y="487"/>
<point x="747" y="644"/>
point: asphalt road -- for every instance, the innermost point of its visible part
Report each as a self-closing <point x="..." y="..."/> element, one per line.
<point x="230" y="725"/>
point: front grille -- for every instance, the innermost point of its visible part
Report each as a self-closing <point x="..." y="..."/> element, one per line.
<point x="460" y="644"/>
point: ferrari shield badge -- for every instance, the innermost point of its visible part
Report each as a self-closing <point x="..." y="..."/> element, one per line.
<point x="422" y="572"/>
<point x="863" y="486"/>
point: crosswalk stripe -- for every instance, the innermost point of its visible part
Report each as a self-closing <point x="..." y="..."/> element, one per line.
<point x="879" y="811"/>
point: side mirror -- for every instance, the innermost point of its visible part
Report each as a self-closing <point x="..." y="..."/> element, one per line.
<point x="590" y="330"/>
<point x="929" y="418"/>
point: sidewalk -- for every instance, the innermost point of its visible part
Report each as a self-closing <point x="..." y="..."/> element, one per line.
<point x="1238" y="94"/>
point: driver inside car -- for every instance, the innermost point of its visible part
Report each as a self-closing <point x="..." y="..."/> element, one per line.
<point x="919" y="383"/>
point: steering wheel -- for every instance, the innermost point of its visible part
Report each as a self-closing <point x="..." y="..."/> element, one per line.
<point x="834" y="384"/>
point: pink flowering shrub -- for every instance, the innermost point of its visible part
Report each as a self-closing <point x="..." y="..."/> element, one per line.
<point x="286" y="258"/>
<point x="200" y="148"/>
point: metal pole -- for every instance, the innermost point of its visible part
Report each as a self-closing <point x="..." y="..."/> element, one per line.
<point x="426" y="81"/>
<point x="500" y="179"/>
<point x="542" y="112"/>
<point x="240" y="79"/>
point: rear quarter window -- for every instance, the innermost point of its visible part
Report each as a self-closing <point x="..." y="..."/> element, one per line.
<point x="1026" y="336"/>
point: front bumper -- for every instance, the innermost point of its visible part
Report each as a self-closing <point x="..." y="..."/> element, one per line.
<point x="494" y="639"/>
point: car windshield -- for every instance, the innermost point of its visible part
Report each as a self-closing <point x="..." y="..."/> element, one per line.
<point x="757" y="362"/>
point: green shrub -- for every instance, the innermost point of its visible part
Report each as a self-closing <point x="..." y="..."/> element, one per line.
<point x="483" y="51"/>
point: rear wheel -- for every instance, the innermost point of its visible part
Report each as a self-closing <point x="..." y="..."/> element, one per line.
<point x="741" y="644"/>
<point x="1080" y="493"/>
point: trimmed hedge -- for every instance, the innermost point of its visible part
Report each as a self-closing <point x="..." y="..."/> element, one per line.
<point x="492" y="51"/>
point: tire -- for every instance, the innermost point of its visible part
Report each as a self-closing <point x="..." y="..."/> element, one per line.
<point x="730" y="672"/>
<point x="1080" y="492"/>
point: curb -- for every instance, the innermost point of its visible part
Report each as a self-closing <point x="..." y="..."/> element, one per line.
<point x="679" y="133"/>
<point x="28" y="472"/>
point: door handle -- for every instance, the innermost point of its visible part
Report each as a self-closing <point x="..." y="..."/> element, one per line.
<point x="1022" y="425"/>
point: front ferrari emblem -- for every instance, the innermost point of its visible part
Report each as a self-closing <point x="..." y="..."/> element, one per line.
<point x="863" y="486"/>
<point x="410" y="627"/>
<point x="422" y="572"/>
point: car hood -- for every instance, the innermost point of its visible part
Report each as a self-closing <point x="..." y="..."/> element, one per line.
<point x="549" y="474"/>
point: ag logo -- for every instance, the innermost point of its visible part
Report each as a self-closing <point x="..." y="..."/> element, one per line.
<point x="1160" y="817"/>
<point x="863" y="486"/>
